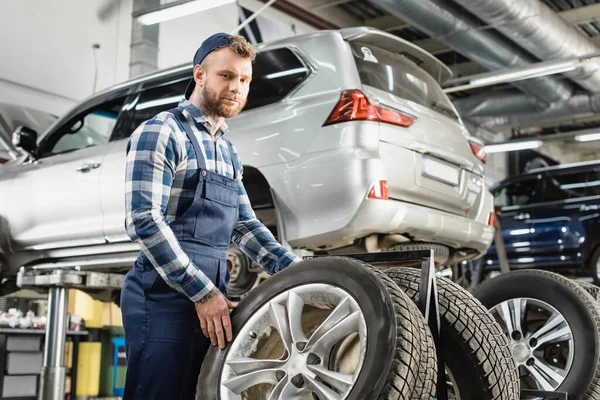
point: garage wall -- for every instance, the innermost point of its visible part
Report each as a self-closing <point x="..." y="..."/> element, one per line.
<point x="51" y="60"/>
<point x="180" y="38"/>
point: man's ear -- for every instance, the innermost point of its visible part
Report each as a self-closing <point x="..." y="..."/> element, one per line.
<point x="199" y="75"/>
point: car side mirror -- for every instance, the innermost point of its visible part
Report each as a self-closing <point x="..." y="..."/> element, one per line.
<point x="25" y="138"/>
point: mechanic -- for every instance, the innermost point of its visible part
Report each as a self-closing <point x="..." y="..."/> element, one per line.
<point x="185" y="204"/>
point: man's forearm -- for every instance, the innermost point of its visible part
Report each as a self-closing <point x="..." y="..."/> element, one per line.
<point x="258" y="243"/>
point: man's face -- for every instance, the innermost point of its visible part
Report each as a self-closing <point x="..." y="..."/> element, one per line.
<point x="225" y="83"/>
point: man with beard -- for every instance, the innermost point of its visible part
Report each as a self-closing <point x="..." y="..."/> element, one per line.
<point x="185" y="203"/>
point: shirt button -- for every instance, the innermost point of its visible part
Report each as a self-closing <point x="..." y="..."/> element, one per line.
<point x="203" y="172"/>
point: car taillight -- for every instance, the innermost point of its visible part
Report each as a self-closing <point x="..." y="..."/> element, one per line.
<point x="479" y="151"/>
<point x="354" y="105"/>
<point x="492" y="219"/>
<point x="379" y="190"/>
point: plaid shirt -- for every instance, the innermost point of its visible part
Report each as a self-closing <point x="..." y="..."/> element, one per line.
<point x="160" y="186"/>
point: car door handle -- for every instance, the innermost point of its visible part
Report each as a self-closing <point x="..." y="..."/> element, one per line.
<point x="588" y="208"/>
<point x="87" y="167"/>
<point x="522" y="216"/>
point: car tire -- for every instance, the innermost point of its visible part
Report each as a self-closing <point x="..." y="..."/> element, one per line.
<point x="391" y="347"/>
<point x="592" y="289"/>
<point x="242" y="279"/>
<point x="425" y="385"/>
<point x="478" y="361"/>
<point x="560" y="317"/>
<point x="441" y="253"/>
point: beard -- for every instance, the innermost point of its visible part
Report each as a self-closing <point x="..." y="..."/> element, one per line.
<point x="213" y="105"/>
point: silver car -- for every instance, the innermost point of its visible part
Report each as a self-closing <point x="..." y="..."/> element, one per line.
<point x="348" y="141"/>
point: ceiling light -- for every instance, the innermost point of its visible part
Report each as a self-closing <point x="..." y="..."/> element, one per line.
<point x="179" y="9"/>
<point x="513" y="146"/>
<point x="587" y="137"/>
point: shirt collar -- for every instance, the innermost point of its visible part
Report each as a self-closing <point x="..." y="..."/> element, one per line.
<point x="197" y="115"/>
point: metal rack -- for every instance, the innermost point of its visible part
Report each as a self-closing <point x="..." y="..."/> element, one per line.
<point x="429" y="306"/>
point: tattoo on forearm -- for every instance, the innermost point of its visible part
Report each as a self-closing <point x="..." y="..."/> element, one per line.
<point x="209" y="295"/>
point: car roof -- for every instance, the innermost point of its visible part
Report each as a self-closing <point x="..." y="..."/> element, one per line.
<point x="585" y="165"/>
<point x="430" y="63"/>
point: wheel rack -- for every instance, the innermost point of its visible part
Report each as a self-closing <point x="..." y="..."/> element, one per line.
<point x="429" y="306"/>
<point x="59" y="280"/>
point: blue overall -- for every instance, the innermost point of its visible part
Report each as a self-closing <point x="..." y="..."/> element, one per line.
<point x="164" y="343"/>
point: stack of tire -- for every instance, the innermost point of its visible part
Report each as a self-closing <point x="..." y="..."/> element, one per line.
<point x="336" y="328"/>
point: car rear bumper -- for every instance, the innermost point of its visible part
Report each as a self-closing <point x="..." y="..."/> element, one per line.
<point x="421" y="223"/>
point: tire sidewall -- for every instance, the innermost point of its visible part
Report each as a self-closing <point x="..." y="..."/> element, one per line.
<point x="366" y="289"/>
<point x="566" y="302"/>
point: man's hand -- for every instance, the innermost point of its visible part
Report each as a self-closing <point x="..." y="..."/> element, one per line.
<point x="213" y="313"/>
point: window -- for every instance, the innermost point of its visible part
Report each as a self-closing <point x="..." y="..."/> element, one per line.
<point x="400" y="76"/>
<point x="275" y="74"/>
<point x="570" y="185"/>
<point x="152" y="102"/>
<point x="518" y="193"/>
<point x="91" y="128"/>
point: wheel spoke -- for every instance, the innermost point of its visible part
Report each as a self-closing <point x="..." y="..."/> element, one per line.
<point x="518" y="307"/>
<point x="552" y="322"/>
<point x="279" y="318"/>
<point x="243" y="365"/>
<point x="556" y="374"/>
<point x="512" y="313"/>
<point x="541" y="381"/>
<point x="336" y="333"/>
<point x="283" y="391"/>
<point x="338" y="380"/>
<point x="341" y="311"/>
<point x="552" y="331"/>
<point x="294" y="310"/>
<point x="240" y="383"/>
<point x="320" y="389"/>
<point x="504" y="313"/>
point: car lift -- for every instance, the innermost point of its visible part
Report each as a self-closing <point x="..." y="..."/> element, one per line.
<point x="58" y="281"/>
<point x="52" y="380"/>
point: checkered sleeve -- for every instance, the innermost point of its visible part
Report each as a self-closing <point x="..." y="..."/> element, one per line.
<point x="255" y="240"/>
<point x="153" y="154"/>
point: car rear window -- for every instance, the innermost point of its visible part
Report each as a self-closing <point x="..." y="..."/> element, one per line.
<point x="397" y="74"/>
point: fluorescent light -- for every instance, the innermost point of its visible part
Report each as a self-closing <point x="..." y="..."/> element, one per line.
<point x="158" y="102"/>
<point x="180" y="10"/>
<point x="587" y="137"/>
<point x="285" y="73"/>
<point x="514" y="146"/>
<point x="526" y="73"/>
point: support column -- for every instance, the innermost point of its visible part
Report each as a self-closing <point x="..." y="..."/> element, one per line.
<point x="144" y="42"/>
<point x="52" y="379"/>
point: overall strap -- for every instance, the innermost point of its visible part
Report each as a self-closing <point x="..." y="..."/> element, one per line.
<point x="232" y="158"/>
<point x="185" y="125"/>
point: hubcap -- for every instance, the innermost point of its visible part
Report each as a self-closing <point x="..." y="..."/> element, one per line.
<point x="308" y="342"/>
<point x="541" y="341"/>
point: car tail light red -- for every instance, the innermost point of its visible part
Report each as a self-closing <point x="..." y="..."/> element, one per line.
<point x="492" y="219"/>
<point x="354" y="105"/>
<point x="379" y="190"/>
<point x="479" y="151"/>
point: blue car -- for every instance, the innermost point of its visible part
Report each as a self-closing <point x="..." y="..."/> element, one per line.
<point x="551" y="220"/>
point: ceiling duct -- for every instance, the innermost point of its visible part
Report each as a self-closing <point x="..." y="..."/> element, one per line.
<point x="538" y="29"/>
<point x="500" y="111"/>
<point x="464" y="33"/>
